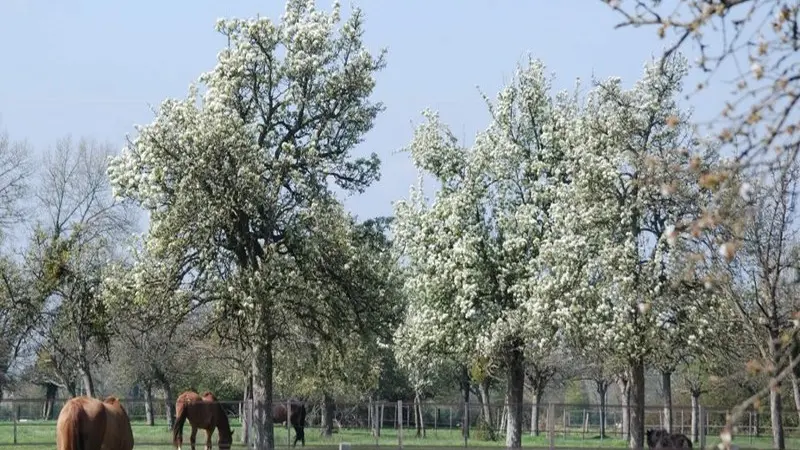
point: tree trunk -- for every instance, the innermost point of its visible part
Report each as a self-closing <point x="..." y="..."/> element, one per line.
<point x="516" y="391"/>
<point x="602" y="391"/>
<point x="776" y="411"/>
<point x="465" y="386"/>
<point x="536" y="413"/>
<point x="418" y="418"/>
<point x="625" y="404"/>
<point x="50" y="392"/>
<point x="486" y="404"/>
<point x="666" y="386"/>
<point x="88" y="381"/>
<point x="263" y="433"/>
<point x="637" y="404"/>
<point x="244" y="413"/>
<point x="796" y="392"/>
<point x="328" y="410"/>
<point x="695" y="416"/>
<point x="148" y="405"/>
<point x="169" y="403"/>
<point x="85" y="371"/>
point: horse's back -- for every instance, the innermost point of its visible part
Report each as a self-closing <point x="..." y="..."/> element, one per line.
<point x="119" y="435"/>
<point x="81" y="424"/>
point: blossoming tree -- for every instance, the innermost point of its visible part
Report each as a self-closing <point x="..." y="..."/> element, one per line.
<point x="608" y="258"/>
<point x="473" y="253"/>
<point x="237" y="182"/>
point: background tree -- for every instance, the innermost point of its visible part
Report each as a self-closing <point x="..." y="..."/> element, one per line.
<point x="72" y="242"/>
<point x="473" y="252"/>
<point x="611" y="255"/>
<point x="761" y="275"/>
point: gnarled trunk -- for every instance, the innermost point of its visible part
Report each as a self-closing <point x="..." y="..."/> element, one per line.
<point x="465" y="386"/>
<point x="602" y="392"/>
<point x="515" y="393"/>
<point x="486" y="404"/>
<point x="637" y="404"/>
<point x="536" y="413"/>
<point x="695" y="416"/>
<point x="263" y="433"/>
<point x="169" y="402"/>
<point x="244" y="413"/>
<point x="625" y="403"/>
<point x="666" y="386"/>
<point x="328" y="410"/>
<point x="148" y="405"/>
<point x="419" y="420"/>
<point x="50" y="392"/>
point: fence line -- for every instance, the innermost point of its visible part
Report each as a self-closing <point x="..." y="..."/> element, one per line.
<point x="32" y="422"/>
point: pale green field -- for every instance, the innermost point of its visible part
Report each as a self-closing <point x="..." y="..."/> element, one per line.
<point x="41" y="436"/>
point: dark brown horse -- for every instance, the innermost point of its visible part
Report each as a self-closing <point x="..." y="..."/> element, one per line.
<point x="202" y="412"/>
<point x="661" y="439"/>
<point x="297" y="419"/>
<point x="86" y="423"/>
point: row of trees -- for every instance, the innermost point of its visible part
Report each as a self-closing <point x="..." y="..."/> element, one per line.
<point x="568" y="228"/>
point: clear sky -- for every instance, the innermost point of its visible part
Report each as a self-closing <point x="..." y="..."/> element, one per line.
<point x="91" y="68"/>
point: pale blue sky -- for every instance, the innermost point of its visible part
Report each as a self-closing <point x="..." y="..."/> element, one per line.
<point x="90" y="67"/>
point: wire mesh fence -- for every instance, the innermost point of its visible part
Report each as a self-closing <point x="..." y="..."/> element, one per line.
<point x="30" y="423"/>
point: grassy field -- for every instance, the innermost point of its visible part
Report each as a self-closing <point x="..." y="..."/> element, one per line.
<point x="41" y="436"/>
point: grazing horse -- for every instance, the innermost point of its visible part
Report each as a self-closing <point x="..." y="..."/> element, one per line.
<point x="202" y="412"/>
<point x="661" y="439"/>
<point x="297" y="419"/>
<point x="86" y="423"/>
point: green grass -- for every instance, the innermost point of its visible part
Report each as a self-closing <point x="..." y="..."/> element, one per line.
<point x="40" y="435"/>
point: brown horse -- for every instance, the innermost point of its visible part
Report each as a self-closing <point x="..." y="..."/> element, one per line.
<point x="202" y="412"/>
<point x="86" y="423"/>
<point x="297" y="419"/>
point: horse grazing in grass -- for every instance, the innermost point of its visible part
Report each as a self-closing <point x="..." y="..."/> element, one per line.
<point x="661" y="439"/>
<point x="297" y="419"/>
<point x="86" y="423"/>
<point x="202" y="412"/>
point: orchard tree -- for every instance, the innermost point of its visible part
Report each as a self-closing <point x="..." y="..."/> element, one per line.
<point x="238" y="182"/>
<point x="473" y="269"/>
<point x="761" y="279"/>
<point x="610" y="262"/>
<point x="73" y="240"/>
<point x="155" y="336"/>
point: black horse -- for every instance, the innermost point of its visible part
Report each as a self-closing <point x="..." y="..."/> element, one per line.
<point x="297" y="419"/>
<point x="661" y="439"/>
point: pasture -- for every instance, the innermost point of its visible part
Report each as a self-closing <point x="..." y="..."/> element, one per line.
<point x="31" y="434"/>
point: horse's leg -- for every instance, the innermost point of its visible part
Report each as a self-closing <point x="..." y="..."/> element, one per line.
<point x="299" y="435"/>
<point x="209" y="433"/>
<point x="193" y="437"/>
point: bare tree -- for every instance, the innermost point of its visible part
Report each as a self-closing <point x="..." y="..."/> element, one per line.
<point x="758" y="41"/>
<point x="77" y="235"/>
<point x="760" y="281"/>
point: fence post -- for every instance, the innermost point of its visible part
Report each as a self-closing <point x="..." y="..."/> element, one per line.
<point x="564" y="419"/>
<point x="400" y="423"/>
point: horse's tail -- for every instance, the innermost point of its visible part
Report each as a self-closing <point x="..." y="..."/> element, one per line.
<point x="180" y="418"/>
<point x="68" y="435"/>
